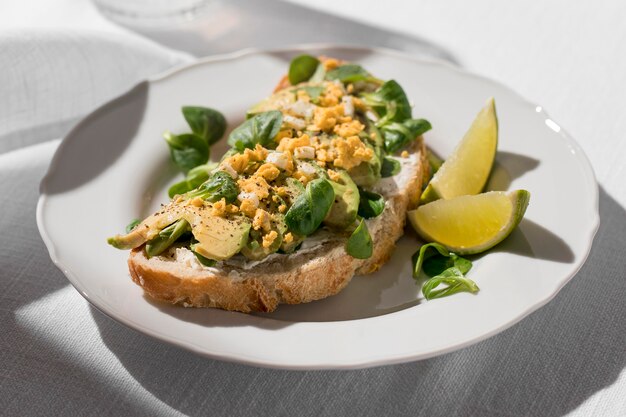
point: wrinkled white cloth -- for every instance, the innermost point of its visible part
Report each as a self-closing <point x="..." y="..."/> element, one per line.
<point x="51" y="78"/>
<point x="60" y="356"/>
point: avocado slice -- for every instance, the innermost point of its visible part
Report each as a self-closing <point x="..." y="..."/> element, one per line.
<point x="294" y="189"/>
<point x="219" y="238"/>
<point x="274" y="102"/>
<point x="367" y="173"/>
<point x="344" y="210"/>
<point x="254" y="249"/>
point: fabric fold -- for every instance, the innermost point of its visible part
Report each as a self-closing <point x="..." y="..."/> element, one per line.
<point x="52" y="78"/>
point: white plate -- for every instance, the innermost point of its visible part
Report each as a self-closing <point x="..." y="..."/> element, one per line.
<point x="114" y="167"/>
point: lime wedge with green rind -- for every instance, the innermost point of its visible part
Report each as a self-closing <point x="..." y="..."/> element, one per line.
<point x="466" y="171"/>
<point x="472" y="223"/>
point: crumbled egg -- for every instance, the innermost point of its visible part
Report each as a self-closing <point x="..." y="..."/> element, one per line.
<point x="280" y="159"/>
<point x="269" y="238"/>
<point x="248" y="207"/>
<point x="304" y="152"/>
<point x="347" y="129"/>
<point x="330" y="63"/>
<point x="268" y="171"/>
<point x="256" y="185"/>
<point x="249" y="196"/>
<point x="326" y="118"/>
<point x="348" y="105"/>
<point x="261" y="220"/>
<point x="301" y="108"/>
<point x="351" y="152"/>
<point x="221" y="209"/>
<point x="226" y="167"/>
<point x="294" y="122"/>
<point x="307" y="169"/>
<point x="289" y="144"/>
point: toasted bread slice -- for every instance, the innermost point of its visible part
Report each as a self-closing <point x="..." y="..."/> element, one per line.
<point x="321" y="268"/>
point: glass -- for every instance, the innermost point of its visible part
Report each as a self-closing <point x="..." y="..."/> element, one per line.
<point x="151" y="12"/>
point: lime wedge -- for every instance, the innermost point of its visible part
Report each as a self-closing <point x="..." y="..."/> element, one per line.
<point x="472" y="223"/>
<point x="466" y="171"/>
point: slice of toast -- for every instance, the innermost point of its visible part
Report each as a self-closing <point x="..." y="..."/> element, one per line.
<point x="320" y="268"/>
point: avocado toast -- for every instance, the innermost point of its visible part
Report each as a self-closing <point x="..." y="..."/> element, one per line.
<point x="314" y="190"/>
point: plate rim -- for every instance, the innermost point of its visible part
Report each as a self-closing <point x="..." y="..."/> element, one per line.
<point x="568" y="140"/>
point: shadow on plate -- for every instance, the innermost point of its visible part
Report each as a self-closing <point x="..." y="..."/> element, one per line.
<point x="210" y="317"/>
<point x="516" y="166"/>
<point x="534" y="241"/>
<point x="105" y="133"/>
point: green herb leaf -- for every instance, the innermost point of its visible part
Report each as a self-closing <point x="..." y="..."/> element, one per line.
<point x="312" y="91"/>
<point x="261" y="128"/>
<point x="425" y="252"/>
<point x="350" y="73"/>
<point x="310" y="208"/>
<point x="359" y="244"/>
<point x="205" y="122"/>
<point x="453" y="280"/>
<point x="167" y="237"/>
<point x="398" y="135"/>
<point x="132" y="225"/>
<point x="390" y="167"/>
<point x="302" y="68"/>
<point x="436" y="264"/>
<point x="370" y="204"/>
<point x="390" y="102"/>
<point x="219" y="185"/>
<point x="445" y="268"/>
<point x="195" y="177"/>
<point x="318" y="75"/>
<point x="187" y="150"/>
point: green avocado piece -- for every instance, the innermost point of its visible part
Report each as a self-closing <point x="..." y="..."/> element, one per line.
<point x="254" y="248"/>
<point x="220" y="238"/>
<point x="274" y="102"/>
<point x="344" y="210"/>
<point x="367" y="173"/>
<point x="294" y="189"/>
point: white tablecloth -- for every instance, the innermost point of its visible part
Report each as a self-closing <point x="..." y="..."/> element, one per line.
<point x="59" y="356"/>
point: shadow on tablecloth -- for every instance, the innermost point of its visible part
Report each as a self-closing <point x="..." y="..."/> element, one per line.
<point x="548" y="364"/>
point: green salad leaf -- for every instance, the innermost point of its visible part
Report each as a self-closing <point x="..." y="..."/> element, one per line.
<point x="445" y="268"/>
<point x="350" y="73"/>
<point x="195" y="177"/>
<point x="390" y="102"/>
<point x="370" y="204"/>
<point x="167" y="237"/>
<point x="398" y="135"/>
<point x="302" y="68"/>
<point x="187" y="150"/>
<point x="311" y="207"/>
<point x="219" y="185"/>
<point x="390" y="167"/>
<point x="359" y="244"/>
<point x="453" y="280"/>
<point x="130" y="226"/>
<point x="260" y="128"/>
<point x="205" y="122"/>
<point x="313" y="91"/>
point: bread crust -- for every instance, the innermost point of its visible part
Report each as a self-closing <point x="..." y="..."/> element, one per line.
<point x="294" y="279"/>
